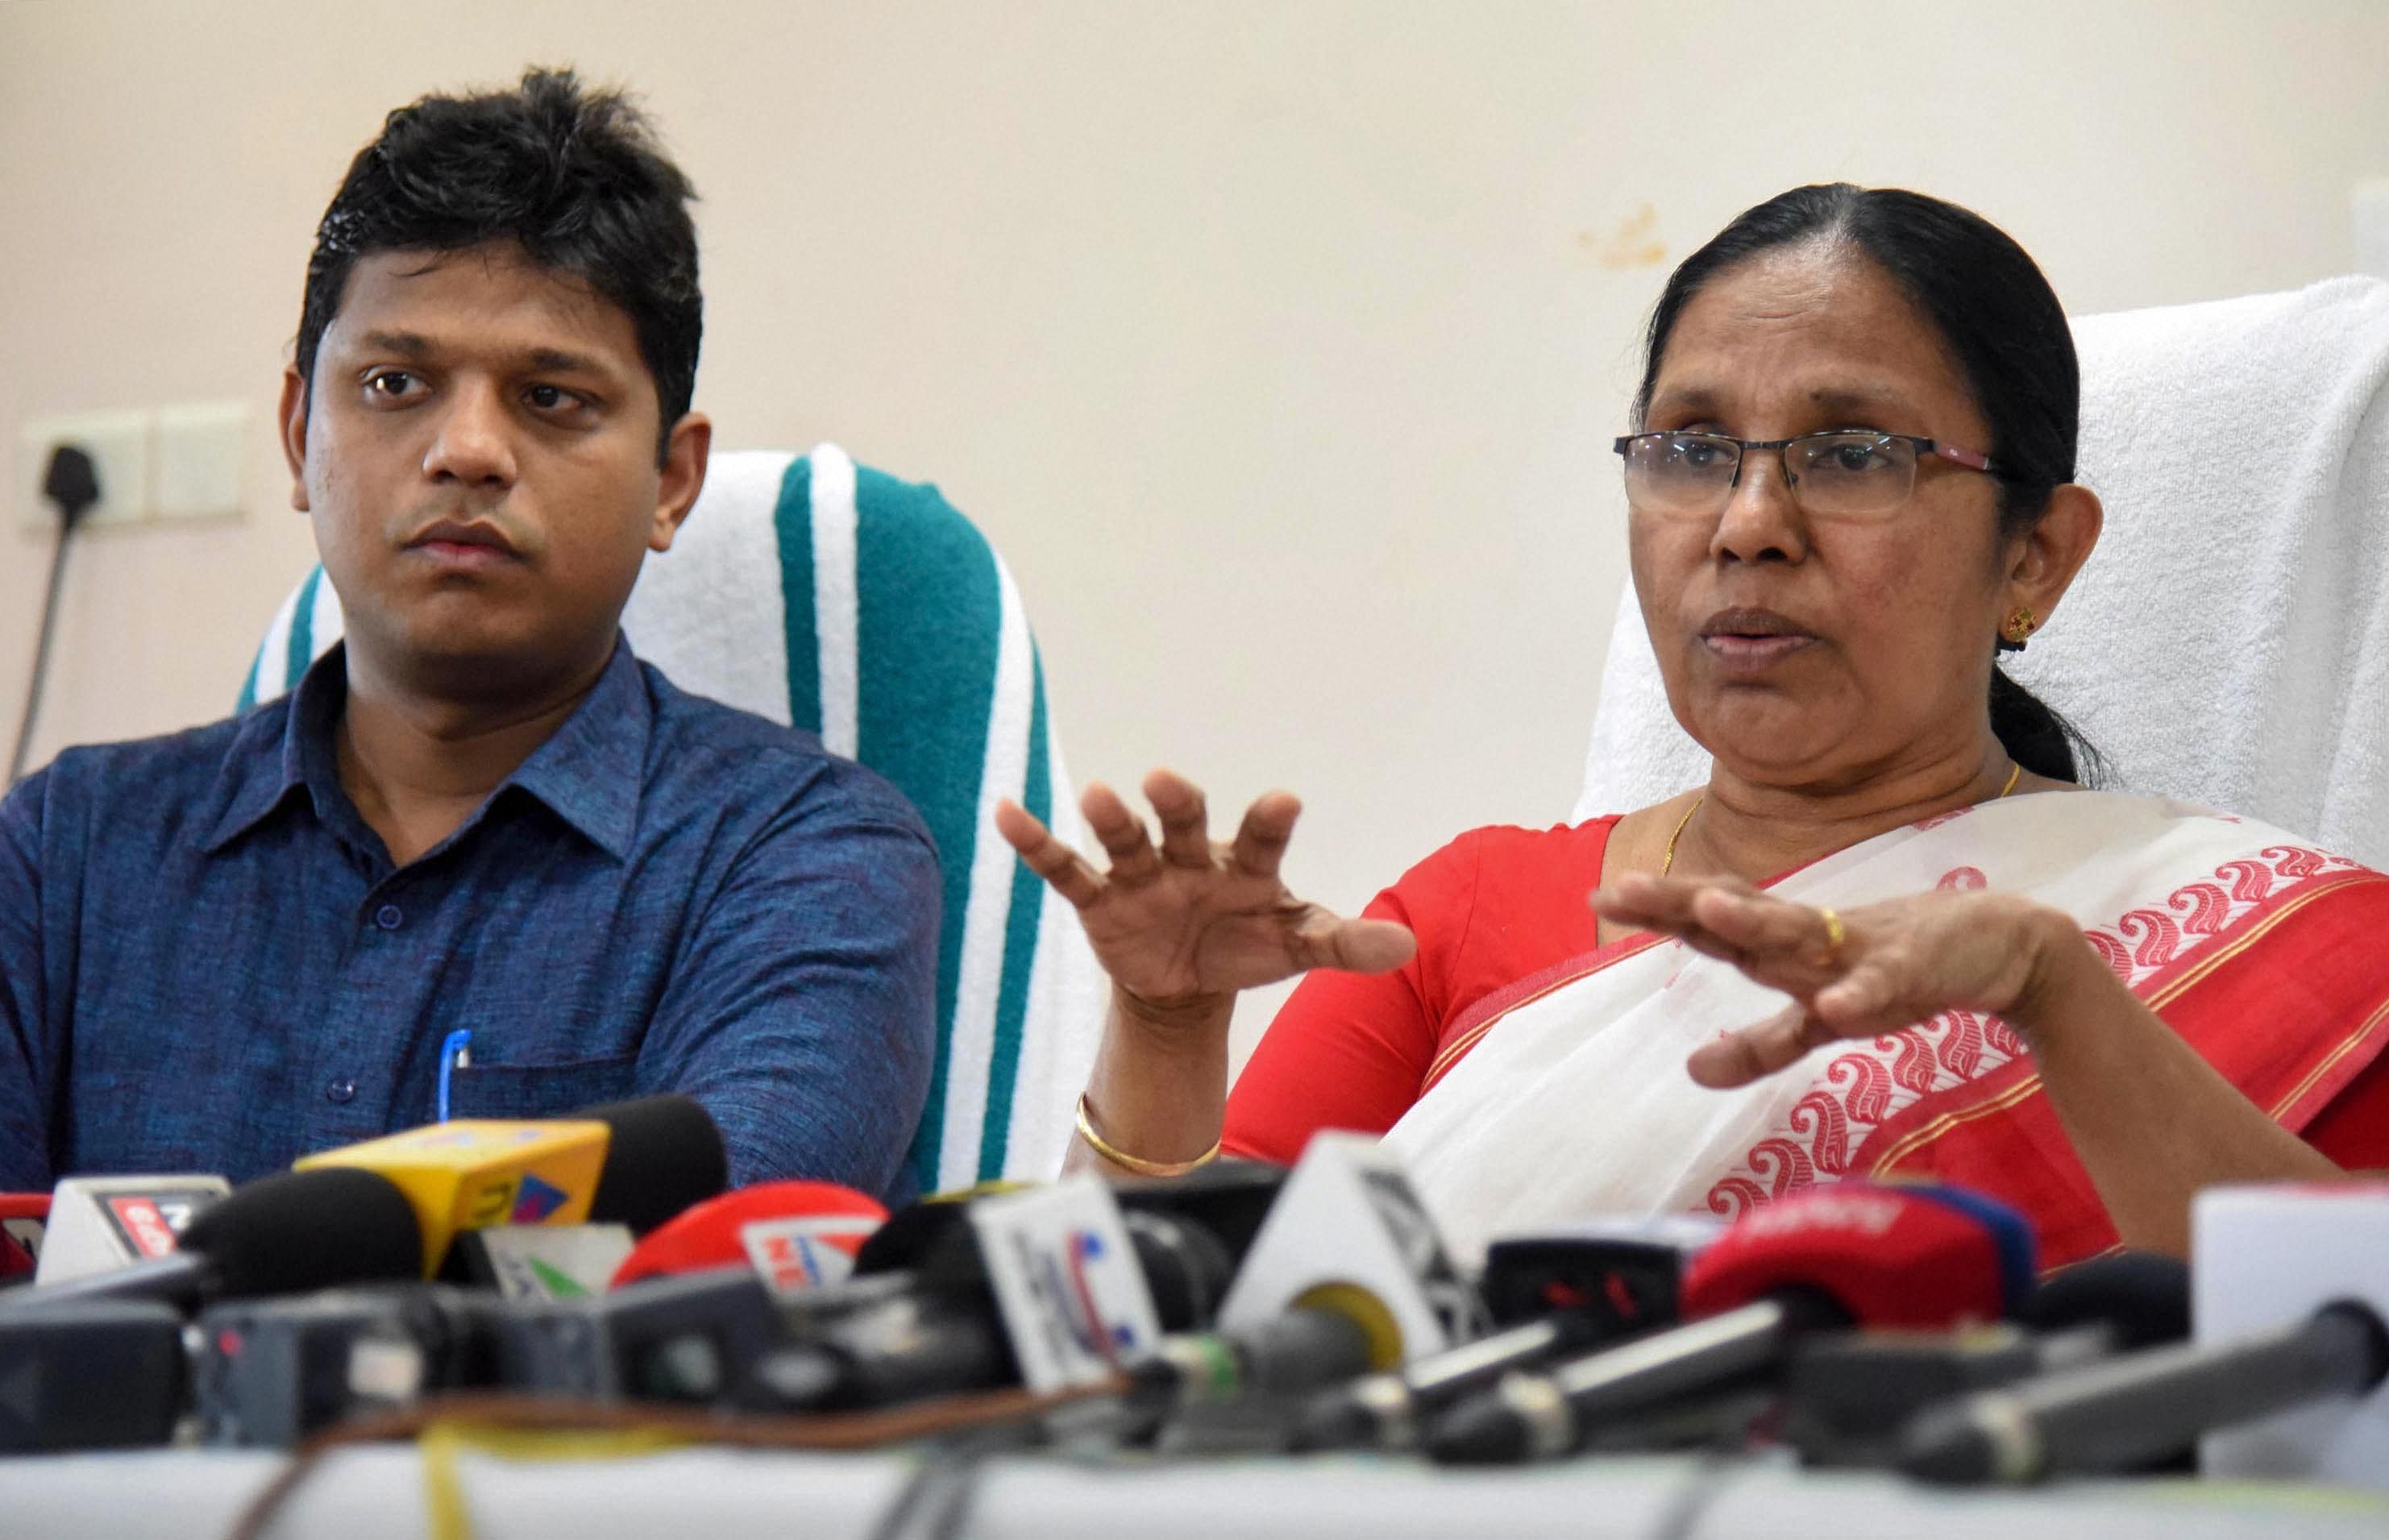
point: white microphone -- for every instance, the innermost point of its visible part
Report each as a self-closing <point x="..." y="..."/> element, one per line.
<point x="100" y="1224"/>
<point x="2267" y="1257"/>
<point x="1347" y="1275"/>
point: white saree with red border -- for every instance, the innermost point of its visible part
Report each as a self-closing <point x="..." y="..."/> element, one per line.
<point x="1565" y="1095"/>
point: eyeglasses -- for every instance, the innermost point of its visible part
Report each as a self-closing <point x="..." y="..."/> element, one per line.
<point x="1846" y="474"/>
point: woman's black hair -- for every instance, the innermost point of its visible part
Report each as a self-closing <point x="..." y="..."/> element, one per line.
<point x="2003" y="322"/>
<point x="574" y="177"/>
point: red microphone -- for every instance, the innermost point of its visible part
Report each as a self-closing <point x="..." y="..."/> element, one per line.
<point x="797" y="1235"/>
<point x="1849" y="1254"/>
<point x="1922" y="1258"/>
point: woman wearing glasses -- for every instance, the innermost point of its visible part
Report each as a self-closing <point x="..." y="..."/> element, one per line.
<point x="1891" y="935"/>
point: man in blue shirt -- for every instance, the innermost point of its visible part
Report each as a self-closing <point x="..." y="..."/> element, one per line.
<point x="221" y="950"/>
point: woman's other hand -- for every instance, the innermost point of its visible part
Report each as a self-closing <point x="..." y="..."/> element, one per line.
<point x="1891" y="966"/>
<point x="1180" y="928"/>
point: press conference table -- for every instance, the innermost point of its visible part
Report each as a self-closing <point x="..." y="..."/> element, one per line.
<point x="371" y="1494"/>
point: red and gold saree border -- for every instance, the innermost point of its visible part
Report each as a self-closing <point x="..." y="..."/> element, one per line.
<point x="2306" y="962"/>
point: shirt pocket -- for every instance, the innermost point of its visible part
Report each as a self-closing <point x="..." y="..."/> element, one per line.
<point x="540" y="1090"/>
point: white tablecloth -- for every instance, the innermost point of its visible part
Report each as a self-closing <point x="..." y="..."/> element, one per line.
<point x="370" y="1493"/>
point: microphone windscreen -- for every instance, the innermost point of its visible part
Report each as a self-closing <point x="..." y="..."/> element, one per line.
<point x="1185" y="1266"/>
<point x="712" y="1233"/>
<point x="931" y="1237"/>
<point x="1228" y="1198"/>
<point x="1892" y="1256"/>
<point x="301" y="1230"/>
<point x="2009" y="1231"/>
<point x="2142" y="1297"/>
<point x="664" y="1155"/>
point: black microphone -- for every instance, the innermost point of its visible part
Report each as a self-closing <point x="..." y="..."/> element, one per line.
<point x="2141" y="1299"/>
<point x="99" y="1374"/>
<point x="2129" y="1411"/>
<point x="1297" y="1352"/>
<point x="665" y="1155"/>
<point x="283" y="1234"/>
<point x="1851" y="1253"/>
<point x="942" y="1332"/>
<point x="1559" y="1292"/>
<point x="1849" y="1396"/>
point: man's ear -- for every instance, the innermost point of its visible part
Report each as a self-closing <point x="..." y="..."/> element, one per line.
<point x="292" y="418"/>
<point x="683" y="478"/>
<point x="2049" y="555"/>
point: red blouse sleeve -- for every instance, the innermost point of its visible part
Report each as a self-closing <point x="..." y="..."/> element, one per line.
<point x="1350" y="1051"/>
<point x="1347" y="1051"/>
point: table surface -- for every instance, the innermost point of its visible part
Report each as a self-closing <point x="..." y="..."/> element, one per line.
<point x="367" y="1494"/>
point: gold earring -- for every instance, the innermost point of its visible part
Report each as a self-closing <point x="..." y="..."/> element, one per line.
<point x="2020" y="626"/>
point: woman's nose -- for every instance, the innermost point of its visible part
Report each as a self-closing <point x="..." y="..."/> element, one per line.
<point x="1761" y="519"/>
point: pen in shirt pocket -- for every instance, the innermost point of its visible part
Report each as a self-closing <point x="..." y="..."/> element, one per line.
<point x="455" y="1053"/>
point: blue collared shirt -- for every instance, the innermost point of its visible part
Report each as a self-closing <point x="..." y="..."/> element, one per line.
<point x="209" y="962"/>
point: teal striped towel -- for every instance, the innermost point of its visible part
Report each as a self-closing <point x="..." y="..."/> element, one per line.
<point x="828" y="595"/>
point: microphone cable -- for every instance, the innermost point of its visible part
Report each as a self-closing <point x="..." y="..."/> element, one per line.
<point x="71" y="484"/>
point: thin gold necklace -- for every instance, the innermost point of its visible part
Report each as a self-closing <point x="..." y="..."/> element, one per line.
<point x="1667" y="861"/>
<point x="1668" y="857"/>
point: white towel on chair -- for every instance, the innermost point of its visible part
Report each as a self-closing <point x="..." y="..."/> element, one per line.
<point x="2229" y="641"/>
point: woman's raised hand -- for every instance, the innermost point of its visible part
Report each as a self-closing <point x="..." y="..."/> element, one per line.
<point x="1871" y="970"/>
<point x="1182" y="926"/>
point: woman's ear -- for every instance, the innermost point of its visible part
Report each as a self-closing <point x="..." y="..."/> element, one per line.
<point x="2047" y="556"/>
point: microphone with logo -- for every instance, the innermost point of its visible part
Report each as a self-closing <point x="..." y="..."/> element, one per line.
<point x="636" y="1163"/>
<point x="695" y="1304"/>
<point x="1053" y="1287"/>
<point x="1346" y="1275"/>
<point x="1554" y="1293"/>
<point x="387" y="1209"/>
<point x="1851" y="1253"/>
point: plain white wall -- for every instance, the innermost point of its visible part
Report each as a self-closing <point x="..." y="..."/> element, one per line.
<point x="1278" y="346"/>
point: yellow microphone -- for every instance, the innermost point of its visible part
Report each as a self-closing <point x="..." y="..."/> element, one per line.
<point x="633" y="1163"/>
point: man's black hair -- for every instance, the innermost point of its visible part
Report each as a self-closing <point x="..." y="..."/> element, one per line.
<point x="575" y="177"/>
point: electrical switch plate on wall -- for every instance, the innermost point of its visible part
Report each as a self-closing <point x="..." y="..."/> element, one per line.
<point x="197" y="469"/>
<point x="118" y="443"/>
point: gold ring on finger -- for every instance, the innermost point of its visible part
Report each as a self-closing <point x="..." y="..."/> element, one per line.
<point x="1835" y="934"/>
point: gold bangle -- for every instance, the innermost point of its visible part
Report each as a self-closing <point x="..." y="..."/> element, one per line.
<point x="1127" y="1162"/>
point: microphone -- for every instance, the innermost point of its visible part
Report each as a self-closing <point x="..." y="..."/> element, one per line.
<point x="97" y="1374"/>
<point x="1854" y="1253"/>
<point x="17" y="1263"/>
<point x="1228" y="1199"/>
<point x="24" y="1218"/>
<point x="2138" y="1299"/>
<point x="1563" y="1290"/>
<point x="1053" y="1286"/>
<point x="2270" y="1257"/>
<point x="2127" y="1412"/>
<point x="1346" y="1276"/>
<point x="1849" y="1396"/>
<point x="98" y="1224"/>
<point x="635" y="1163"/>
<point x="284" y="1234"/>
<point x="1348" y="1235"/>
<point x="797" y="1234"/>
